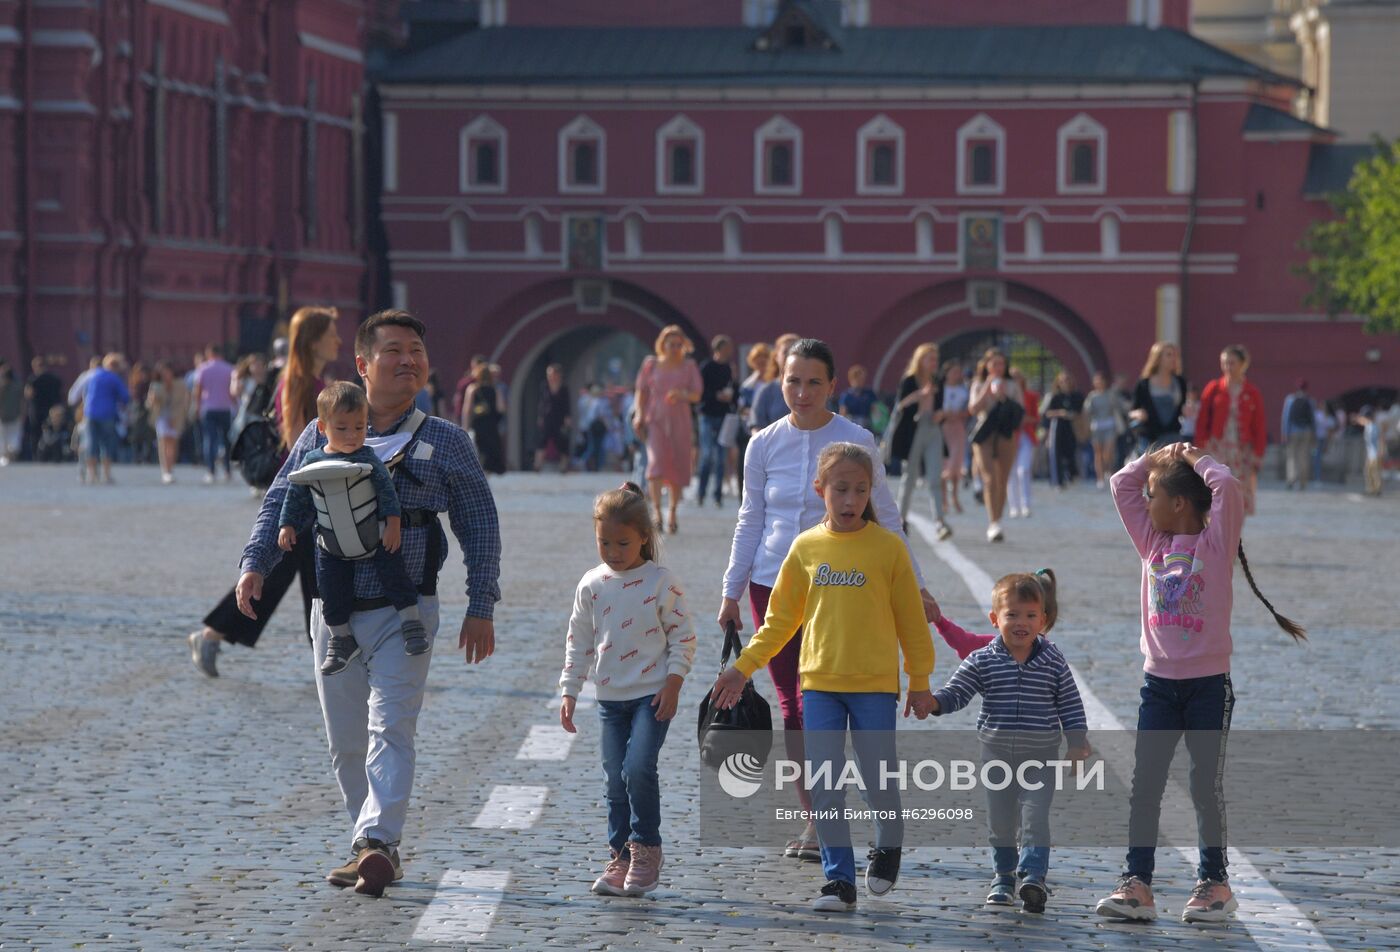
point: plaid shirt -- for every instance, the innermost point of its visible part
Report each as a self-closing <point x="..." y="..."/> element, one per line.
<point x="441" y="473"/>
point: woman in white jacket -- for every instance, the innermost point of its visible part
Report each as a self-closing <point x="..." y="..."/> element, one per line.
<point x="779" y="502"/>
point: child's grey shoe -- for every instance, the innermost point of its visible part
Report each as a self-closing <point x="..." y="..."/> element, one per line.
<point x="415" y="638"/>
<point x="340" y="651"/>
<point x="1033" y="894"/>
<point x="1003" y="893"/>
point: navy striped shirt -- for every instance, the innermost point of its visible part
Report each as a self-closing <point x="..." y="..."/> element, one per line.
<point x="1039" y="695"/>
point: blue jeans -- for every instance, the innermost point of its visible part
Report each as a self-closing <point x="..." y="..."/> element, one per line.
<point x="711" y="456"/>
<point x="335" y="580"/>
<point x="100" y="440"/>
<point x="216" y="424"/>
<point x="1200" y="708"/>
<point x="1027" y="811"/>
<point x="631" y="742"/>
<point x="871" y="718"/>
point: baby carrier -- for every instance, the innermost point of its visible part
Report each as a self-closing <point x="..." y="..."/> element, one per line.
<point x="347" y="507"/>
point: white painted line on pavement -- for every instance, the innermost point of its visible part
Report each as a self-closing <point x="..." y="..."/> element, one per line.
<point x="511" y="807"/>
<point x="463" y="907"/>
<point x="546" y="742"/>
<point x="1270" y="918"/>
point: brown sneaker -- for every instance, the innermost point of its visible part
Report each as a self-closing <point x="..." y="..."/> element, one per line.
<point x="613" y="882"/>
<point x="349" y="874"/>
<point x="375" y="870"/>
<point x="644" y="874"/>
<point x="1211" y="901"/>
<point x="1131" y="899"/>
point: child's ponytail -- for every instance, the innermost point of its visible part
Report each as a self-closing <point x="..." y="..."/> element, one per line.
<point x="628" y="505"/>
<point x="1050" y="604"/>
<point x="1298" y="632"/>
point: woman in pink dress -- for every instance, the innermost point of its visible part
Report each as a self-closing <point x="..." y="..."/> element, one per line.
<point x="667" y="386"/>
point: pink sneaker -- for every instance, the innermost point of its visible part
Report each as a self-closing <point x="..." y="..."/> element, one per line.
<point x="1131" y="899"/>
<point x="1211" y="901"/>
<point x="645" y="872"/>
<point x="614" y="878"/>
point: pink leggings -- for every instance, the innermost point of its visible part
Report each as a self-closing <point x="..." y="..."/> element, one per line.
<point x="786" y="681"/>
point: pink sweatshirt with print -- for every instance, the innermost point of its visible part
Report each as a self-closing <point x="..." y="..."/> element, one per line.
<point x="960" y="640"/>
<point x="1187" y="580"/>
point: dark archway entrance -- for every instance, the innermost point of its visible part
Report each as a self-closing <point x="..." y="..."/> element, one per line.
<point x="1028" y="354"/>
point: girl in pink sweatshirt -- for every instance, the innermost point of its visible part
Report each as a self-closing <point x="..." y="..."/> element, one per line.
<point x="1183" y="511"/>
<point x="966" y="642"/>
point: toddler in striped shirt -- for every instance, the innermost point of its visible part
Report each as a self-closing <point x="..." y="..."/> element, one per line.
<point x="1028" y="698"/>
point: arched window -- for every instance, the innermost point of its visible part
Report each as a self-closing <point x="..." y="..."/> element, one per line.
<point x="832" y="230"/>
<point x="1035" y="238"/>
<point x="534" y="240"/>
<point x="632" y="236"/>
<point x="880" y="158"/>
<point x="1108" y="236"/>
<point x="733" y="238"/>
<point x="981" y="157"/>
<point x="482" y="149"/>
<point x="582" y="157"/>
<point x="923" y="237"/>
<point x="1082" y="159"/>
<point x="778" y="158"/>
<point x="680" y="155"/>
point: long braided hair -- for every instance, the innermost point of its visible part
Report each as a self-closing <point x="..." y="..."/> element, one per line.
<point x="1179" y="478"/>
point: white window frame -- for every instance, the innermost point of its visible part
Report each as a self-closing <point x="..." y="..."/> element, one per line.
<point x="882" y="127"/>
<point x="1180" y="152"/>
<point x="981" y="126"/>
<point x="1080" y="127"/>
<point x="832" y="240"/>
<point x="1110" y="236"/>
<point x="923" y="236"/>
<point x="482" y="127"/>
<point x="679" y="127"/>
<point x="580" y="128"/>
<point x="459" y="234"/>
<point x="389" y="128"/>
<point x="1034" y="237"/>
<point x="779" y="128"/>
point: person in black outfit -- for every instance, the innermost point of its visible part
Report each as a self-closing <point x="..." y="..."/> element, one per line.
<point x="1057" y="413"/>
<point x="555" y="415"/>
<point x="42" y="391"/>
<point x="1158" y="398"/>
<point x="482" y="417"/>
<point x="716" y="402"/>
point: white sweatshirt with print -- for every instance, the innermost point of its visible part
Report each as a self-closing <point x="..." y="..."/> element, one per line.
<point x="630" y="629"/>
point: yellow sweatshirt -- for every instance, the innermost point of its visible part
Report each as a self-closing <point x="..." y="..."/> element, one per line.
<point x="856" y="599"/>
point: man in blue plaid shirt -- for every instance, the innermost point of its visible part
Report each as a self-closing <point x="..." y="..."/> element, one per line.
<point x="371" y="708"/>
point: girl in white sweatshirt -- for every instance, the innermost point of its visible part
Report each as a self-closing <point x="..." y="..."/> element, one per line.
<point x="630" y="628"/>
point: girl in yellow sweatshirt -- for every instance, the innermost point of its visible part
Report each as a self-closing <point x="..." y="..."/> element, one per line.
<point x="850" y="585"/>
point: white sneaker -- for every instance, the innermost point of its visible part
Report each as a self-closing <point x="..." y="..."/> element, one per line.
<point x="167" y="478"/>
<point x="208" y="479"/>
<point x="1013" y="513"/>
<point x="994" y="532"/>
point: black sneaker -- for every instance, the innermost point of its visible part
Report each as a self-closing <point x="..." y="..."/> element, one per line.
<point x="836" y="896"/>
<point x="882" y="871"/>
<point x="1003" y="894"/>
<point x="1033" y="895"/>
<point x="340" y="651"/>
<point x="415" y="637"/>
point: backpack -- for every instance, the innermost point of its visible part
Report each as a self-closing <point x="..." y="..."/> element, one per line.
<point x="257" y="450"/>
<point x="1300" y="415"/>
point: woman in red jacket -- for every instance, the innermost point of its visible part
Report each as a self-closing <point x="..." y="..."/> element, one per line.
<point x="1230" y="424"/>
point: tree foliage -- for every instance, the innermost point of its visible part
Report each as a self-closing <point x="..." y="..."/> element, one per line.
<point x="1354" y="258"/>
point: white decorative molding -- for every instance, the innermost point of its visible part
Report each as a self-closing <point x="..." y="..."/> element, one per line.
<point x="777" y="129"/>
<point x="390" y="128"/>
<point x="1181" y="148"/>
<point x="1080" y="128"/>
<point x="880" y="128"/>
<point x="330" y="47"/>
<point x="1109" y="237"/>
<point x="457" y="232"/>
<point x="679" y="127"/>
<point x="981" y="126"/>
<point x="190" y="8"/>
<point x="831" y="231"/>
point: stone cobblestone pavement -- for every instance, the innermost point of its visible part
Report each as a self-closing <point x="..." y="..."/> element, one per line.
<point x="147" y="807"/>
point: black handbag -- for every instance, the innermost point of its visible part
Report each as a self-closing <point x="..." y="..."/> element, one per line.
<point x="747" y="727"/>
<point x="1013" y="412"/>
<point x="258" y="452"/>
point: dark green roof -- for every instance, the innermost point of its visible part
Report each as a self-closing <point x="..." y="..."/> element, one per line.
<point x="1266" y="119"/>
<point x="724" y="56"/>
<point x="1330" y="166"/>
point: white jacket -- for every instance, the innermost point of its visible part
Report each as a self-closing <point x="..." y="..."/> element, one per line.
<point x="780" y="466"/>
